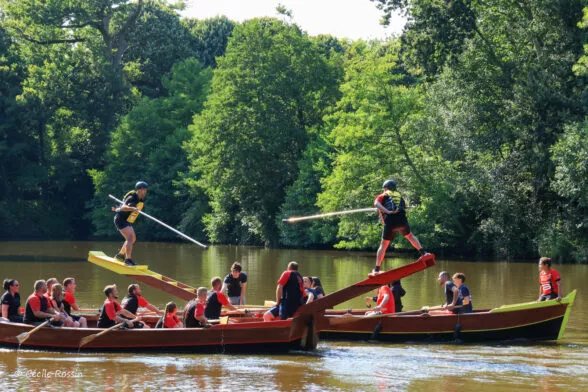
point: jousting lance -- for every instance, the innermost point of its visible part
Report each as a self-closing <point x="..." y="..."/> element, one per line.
<point x="163" y="224"/>
<point x="328" y="214"/>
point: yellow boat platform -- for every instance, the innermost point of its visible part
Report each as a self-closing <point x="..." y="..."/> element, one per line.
<point x="143" y="274"/>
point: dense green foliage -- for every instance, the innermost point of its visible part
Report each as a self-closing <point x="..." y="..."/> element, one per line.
<point x="478" y="111"/>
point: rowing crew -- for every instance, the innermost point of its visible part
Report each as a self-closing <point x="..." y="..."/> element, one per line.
<point x="49" y="301"/>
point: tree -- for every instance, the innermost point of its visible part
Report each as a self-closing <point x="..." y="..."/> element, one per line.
<point x="158" y="41"/>
<point x="498" y="108"/>
<point x="269" y="88"/>
<point x="209" y="38"/>
<point x="568" y="234"/>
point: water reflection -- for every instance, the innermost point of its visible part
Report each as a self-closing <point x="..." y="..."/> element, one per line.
<point x="556" y="366"/>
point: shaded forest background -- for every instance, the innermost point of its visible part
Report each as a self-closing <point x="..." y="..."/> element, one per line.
<point x="478" y="110"/>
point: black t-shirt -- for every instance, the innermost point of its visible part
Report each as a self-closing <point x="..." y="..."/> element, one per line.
<point x="213" y="307"/>
<point x="234" y="285"/>
<point x="398" y="292"/>
<point x="131" y="200"/>
<point x="13" y="303"/>
<point x="449" y="285"/>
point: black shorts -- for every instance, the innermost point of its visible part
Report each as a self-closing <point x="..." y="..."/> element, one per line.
<point x="16" y="318"/>
<point x="287" y="309"/>
<point x="390" y="230"/>
<point x="75" y="318"/>
<point x="546" y="297"/>
<point x="120" y="223"/>
<point x="275" y="311"/>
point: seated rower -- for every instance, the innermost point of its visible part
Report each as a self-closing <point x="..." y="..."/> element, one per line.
<point x="449" y="289"/>
<point x="384" y="301"/>
<point x="289" y="294"/>
<point x="69" y="302"/>
<point x="216" y="300"/>
<point x="38" y="308"/>
<point x="50" y="282"/>
<point x="57" y="304"/>
<point x="11" y="301"/>
<point x="134" y="300"/>
<point x="317" y="287"/>
<point x="170" y="316"/>
<point x="397" y="292"/>
<point x="194" y="311"/>
<point x="309" y="291"/>
<point x="464" y="300"/>
<point x="549" y="281"/>
<point x="111" y="311"/>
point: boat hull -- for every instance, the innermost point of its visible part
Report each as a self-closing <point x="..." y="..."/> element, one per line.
<point x="258" y="337"/>
<point x="531" y="321"/>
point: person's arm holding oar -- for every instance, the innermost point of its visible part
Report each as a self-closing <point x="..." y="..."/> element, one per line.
<point x="128" y="314"/>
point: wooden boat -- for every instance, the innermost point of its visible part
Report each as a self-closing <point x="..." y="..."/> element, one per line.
<point x="248" y="334"/>
<point x="254" y="336"/>
<point x="529" y="321"/>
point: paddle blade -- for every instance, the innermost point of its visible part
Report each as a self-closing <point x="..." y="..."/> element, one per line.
<point x="87" y="339"/>
<point x="22" y="337"/>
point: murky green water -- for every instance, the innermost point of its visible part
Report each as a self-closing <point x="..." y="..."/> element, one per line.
<point x="550" y="366"/>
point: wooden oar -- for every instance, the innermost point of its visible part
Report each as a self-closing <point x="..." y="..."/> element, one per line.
<point x="163" y="224"/>
<point x="25" y="335"/>
<point x="441" y="307"/>
<point x="346" y="319"/>
<point x="90" y="338"/>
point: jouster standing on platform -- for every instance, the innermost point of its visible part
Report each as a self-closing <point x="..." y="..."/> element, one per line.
<point x="391" y="207"/>
<point x="125" y="217"/>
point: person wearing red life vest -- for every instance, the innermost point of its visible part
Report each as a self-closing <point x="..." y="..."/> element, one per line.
<point x="549" y="281"/>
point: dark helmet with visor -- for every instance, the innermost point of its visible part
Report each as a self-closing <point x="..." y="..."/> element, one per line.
<point x="390" y="184"/>
<point x="141" y="185"/>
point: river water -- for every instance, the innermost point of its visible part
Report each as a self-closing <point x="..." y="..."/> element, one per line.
<point x="334" y="366"/>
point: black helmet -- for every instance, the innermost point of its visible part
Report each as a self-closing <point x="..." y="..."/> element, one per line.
<point x="390" y="184"/>
<point x="141" y="185"/>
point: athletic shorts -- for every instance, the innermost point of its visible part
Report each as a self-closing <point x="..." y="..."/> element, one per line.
<point x="389" y="231"/>
<point x="120" y="223"/>
<point x="546" y="297"/>
<point x="275" y="311"/>
<point x="75" y="318"/>
<point x="287" y="310"/>
<point x="235" y="300"/>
